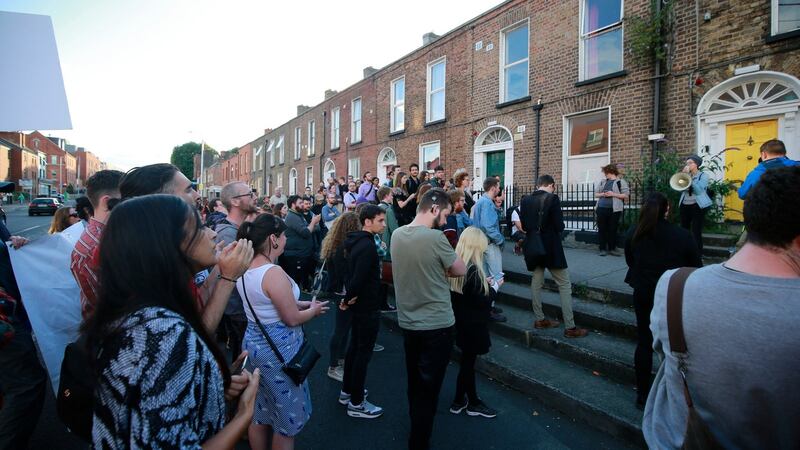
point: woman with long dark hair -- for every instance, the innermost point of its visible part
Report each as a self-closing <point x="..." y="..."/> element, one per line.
<point x="651" y="248"/>
<point x="403" y="202"/>
<point x="272" y="300"/>
<point x="162" y="380"/>
<point x="333" y="254"/>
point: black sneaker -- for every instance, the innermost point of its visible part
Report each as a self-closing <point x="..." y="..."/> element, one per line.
<point x="496" y="317"/>
<point x="457" y="406"/>
<point x="496" y="309"/>
<point x="480" y="409"/>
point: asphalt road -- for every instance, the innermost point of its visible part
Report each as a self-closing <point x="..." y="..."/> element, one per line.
<point x="523" y="422"/>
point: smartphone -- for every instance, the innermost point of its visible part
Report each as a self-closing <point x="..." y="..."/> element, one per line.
<point x="238" y="368"/>
<point x="500" y="276"/>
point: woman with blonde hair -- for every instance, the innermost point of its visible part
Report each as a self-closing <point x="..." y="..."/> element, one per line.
<point x="472" y="307"/>
<point x="332" y="253"/>
<point x="62" y="219"/>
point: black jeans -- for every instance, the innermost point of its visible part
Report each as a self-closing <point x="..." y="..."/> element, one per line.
<point x="607" y="226"/>
<point x="692" y="218"/>
<point x="427" y="354"/>
<point x="363" y="333"/>
<point x="231" y="331"/>
<point x="22" y="381"/>
<point x="341" y="331"/>
<point x="299" y="268"/>
<point x="643" y="358"/>
<point x="465" y="383"/>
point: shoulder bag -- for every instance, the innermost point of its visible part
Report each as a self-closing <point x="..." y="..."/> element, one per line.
<point x="298" y="368"/>
<point x="698" y="435"/>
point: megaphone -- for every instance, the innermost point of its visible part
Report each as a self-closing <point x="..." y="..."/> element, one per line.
<point x="680" y="181"/>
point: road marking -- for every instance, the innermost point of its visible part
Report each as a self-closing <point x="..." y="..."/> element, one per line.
<point x="27" y="229"/>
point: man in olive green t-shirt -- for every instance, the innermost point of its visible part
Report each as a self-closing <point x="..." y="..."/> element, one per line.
<point x="422" y="259"/>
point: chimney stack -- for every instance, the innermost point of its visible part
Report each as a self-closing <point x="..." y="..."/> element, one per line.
<point x="369" y="71"/>
<point x="427" y="38"/>
<point x="267" y="130"/>
<point x="330" y="93"/>
<point x="302" y="108"/>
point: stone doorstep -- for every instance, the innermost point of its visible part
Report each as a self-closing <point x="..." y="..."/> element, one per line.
<point x="586" y="290"/>
<point x="574" y="390"/>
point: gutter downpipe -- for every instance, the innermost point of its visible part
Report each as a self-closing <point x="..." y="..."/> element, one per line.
<point x="656" y="97"/>
<point x="538" y="108"/>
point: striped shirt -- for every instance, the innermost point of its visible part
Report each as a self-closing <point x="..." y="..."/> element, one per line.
<point x="85" y="265"/>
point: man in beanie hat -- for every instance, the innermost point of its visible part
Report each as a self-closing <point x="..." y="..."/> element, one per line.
<point x="695" y="201"/>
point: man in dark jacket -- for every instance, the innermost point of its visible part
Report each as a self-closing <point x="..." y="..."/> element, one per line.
<point x="297" y="259"/>
<point x="541" y="217"/>
<point x="363" y="296"/>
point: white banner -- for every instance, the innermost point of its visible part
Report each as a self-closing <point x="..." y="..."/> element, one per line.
<point x="50" y="294"/>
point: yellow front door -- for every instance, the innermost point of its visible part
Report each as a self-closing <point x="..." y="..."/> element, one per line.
<point x="748" y="137"/>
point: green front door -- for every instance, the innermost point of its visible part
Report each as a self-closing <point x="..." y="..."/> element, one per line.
<point x="496" y="165"/>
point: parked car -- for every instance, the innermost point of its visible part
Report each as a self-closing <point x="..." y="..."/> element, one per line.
<point x="43" y="205"/>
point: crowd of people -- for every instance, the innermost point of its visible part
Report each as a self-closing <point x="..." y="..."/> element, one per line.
<point x="189" y="305"/>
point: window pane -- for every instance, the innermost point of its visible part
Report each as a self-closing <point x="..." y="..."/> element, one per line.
<point x="603" y="54"/>
<point x="437" y="76"/>
<point x="399" y="91"/>
<point x="516" y="82"/>
<point x="437" y="106"/>
<point x="399" y="117"/>
<point x="430" y="156"/>
<point x="517" y="44"/>
<point x="585" y="170"/>
<point x="589" y="134"/>
<point x="788" y="15"/>
<point x="600" y="13"/>
<point x="357" y="110"/>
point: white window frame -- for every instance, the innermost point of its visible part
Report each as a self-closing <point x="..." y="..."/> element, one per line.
<point x="312" y="138"/>
<point x="280" y="181"/>
<point x="335" y="122"/>
<point x="281" y="153"/>
<point x="298" y="141"/>
<point x="293" y="181"/>
<point x="310" y="177"/>
<point x="775" y="14"/>
<point x="429" y="93"/>
<point x="355" y="122"/>
<point x="354" y="168"/>
<point x="271" y="151"/>
<point x="422" y="147"/>
<point x="395" y="104"/>
<point x="53" y="159"/>
<point x="567" y="135"/>
<point x="582" y="38"/>
<point x="503" y="66"/>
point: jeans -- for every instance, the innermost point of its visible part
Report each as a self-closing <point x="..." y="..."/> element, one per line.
<point x="493" y="258"/>
<point x="338" y="344"/>
<point x="692" y="218"/>
<point x="607" y="226"/>
<point x="23" y="381"/>
<point x="465" y="383"/>
<point x="643" y="358"/>
<point x="363" y="333"/>
<point x="561" y="276"/>
<point x="427" y="354"/>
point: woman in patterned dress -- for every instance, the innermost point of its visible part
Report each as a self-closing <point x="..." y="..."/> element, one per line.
<point x="282" y="407"/>
<point x="162" y="380"/>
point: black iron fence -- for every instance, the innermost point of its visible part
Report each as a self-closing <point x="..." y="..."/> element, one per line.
<point x="578" y="204"/>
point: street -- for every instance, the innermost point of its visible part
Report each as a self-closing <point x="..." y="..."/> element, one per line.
<point x="20" y="224"/>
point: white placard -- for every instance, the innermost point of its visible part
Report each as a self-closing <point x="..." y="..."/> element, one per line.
<point x="31" y="85"/>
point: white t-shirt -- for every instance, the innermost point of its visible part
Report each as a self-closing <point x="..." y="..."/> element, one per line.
<point x="514" y="219"/>
<point x="251" y="280"/>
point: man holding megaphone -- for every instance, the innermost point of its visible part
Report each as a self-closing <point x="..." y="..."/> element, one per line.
<point x="695" y="200"/>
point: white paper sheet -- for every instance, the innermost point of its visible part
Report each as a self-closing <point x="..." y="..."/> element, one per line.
<point x="51" y="296"/>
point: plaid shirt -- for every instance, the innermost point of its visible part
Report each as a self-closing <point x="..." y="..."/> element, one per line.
<point x="85" y="265"/>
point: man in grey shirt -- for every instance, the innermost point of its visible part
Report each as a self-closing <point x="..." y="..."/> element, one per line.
<point x="740" y="320"/>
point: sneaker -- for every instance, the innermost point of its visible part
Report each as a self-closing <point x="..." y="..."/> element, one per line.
<point x="457" y="406"/>
<point x="365" y="410"/>
<point x="480" y="409"/>
<point x="337" y="373"/>
<point x="388" y="308"/>
<point x="496" y="309"/>
<point x="345" y="398"/>
<point x="615" y="252"/>
<point x="546" y="323"/>
<point x="575" y="332"/>
<point x="603" y="253"/>
<point x="378" y="348"/>
<point x="496" y="317"/>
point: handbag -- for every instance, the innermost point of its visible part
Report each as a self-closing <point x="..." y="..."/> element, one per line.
<point x="298" y="368"/>
<point x="698" y="435"/>
<point x="75" y="398"/>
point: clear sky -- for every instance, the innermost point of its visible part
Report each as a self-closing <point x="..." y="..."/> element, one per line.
<point x="144" y="76"/>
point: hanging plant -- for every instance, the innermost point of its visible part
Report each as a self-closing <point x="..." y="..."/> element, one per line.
<point x="647" y="36"/>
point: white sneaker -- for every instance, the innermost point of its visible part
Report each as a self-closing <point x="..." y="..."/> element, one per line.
<point x="337" y="373"/>
<point x="345" y="398"/>
<point x="377" y="348"/>
<point x="365" y="410"/>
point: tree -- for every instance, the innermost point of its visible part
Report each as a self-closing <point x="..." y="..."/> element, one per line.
<point x="183" y="157"/>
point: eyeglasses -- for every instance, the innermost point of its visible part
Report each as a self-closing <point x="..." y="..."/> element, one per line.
<point x="249" y="194"/>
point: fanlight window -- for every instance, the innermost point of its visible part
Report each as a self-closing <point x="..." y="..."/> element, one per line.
<point x="756" y="93"/>
<point x="496" y="136"/>
<point x="389" y="156"/>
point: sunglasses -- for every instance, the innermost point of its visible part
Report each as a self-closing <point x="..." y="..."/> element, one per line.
<point x="74" y="215"/>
